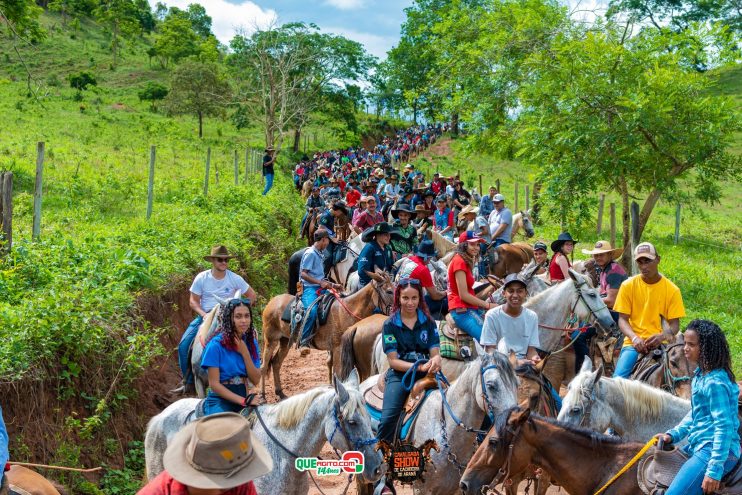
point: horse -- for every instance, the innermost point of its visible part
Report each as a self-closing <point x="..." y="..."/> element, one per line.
<point x="667" y="368"/>
<point x="579" y="460"/>
<point x="634" y="410"/>
<point x="508" y="258"/>
<point x="469" y="402"/>
<point x="306" y="189"/>
<point x="311" y="224"/>
<point x="22" y="480"/>
<point x="339" y="273"/>
<point x="342" y="314"/>
<point x="522" y="221"/>
<point x="296" y="427"/>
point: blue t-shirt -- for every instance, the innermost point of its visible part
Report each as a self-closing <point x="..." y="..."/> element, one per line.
<point x="372" y="256"/>
<point x="229" y="362"/>
<point x="312" y="262"/>
<point x="4" y="455"/>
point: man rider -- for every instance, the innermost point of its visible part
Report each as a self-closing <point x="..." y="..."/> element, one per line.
<point x="611" y="274"/>
<point x="416" y="266"/>
<point x="376" y="254"/>
<point x="218" y="282"/>
<point x="314" y="201"/>
<point x="501" y="221"/>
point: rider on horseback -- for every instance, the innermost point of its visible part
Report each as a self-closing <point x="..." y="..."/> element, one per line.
<point x="501" y="221"/>
<point x="376" y="254"/>
<point x="314" y="203"/>
<point x="415" y="266"/>
<point x="641" y="301"/>
<point x="218" y="282"/>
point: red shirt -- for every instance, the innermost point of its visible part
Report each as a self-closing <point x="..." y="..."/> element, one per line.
<point x="352" y="196"/>
<point x="555" y="271"/>
<point x="365" y="220"/>
<point x="164" y="484"/>
<point x="454" y="301"/>
<point x="420" y="272"/>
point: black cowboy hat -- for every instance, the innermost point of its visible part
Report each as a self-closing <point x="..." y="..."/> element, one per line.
<point x="402" y="207"/>
<point x="426" y="249"/>
<point x="380" y="228"/>
<point x="340" y="205"/>
<point x="563" y="237"/>
<point x="429" y="192"/>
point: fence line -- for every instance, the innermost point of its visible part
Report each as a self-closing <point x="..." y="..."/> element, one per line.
<point x="6" y="210"/>
<point x="36" y="232"/>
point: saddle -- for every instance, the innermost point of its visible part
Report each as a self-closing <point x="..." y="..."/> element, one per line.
<point x="455" y="343"/>
<point x="657" y="470"/>
<point x="374" y="398"/>
<point x="295" y="314"/>
<point x="648" y="364"/>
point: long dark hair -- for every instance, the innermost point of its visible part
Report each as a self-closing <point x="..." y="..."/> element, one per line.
<point x="403" y="284"/>
<point x="228" y="331"/>
<point x="714" y="348"/>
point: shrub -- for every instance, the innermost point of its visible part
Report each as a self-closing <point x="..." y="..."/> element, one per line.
<point x="82" y="80"/>
<point x="153" y="92"/>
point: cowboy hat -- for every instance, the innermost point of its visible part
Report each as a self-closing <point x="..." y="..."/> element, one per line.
<point x="421" y="209"/>
<point x="380" y="228"/>
<point x="468" y="209"/>
<point x="378" y="172"/>
<point x="563" y="237"/>
<point x="402" y="207"/>
<point x="219" y="252"/>
<point x="604" y="247"/>
<point x="340" y="205"/>
<point x="216" y="452"/>
<point x="426" y="249"/>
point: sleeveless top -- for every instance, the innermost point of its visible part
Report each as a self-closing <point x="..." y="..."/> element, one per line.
<point x="555" y="271"/>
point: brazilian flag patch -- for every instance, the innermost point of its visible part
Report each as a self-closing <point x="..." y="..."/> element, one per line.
<point x="390" y="339"/>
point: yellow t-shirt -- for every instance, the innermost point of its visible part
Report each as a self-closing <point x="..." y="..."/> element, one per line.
<point x="644" y="304"/>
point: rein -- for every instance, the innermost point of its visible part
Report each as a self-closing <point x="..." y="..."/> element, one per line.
<point x="628" y="465"/>
<point x="339" y="299"/>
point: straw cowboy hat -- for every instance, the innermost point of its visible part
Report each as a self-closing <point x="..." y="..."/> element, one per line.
<point x="421" y="209"/>
<point x="216" y="452"/>
<point x="468" y="209"/>
<point x="379" y="173"/>
<point x="219" y="252"/>
<point x="604" y="247"/>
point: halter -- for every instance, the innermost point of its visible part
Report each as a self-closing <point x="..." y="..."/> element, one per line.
<point x="587" y="409"/>
<point x="582" y="329"/>
<point x="503" y="474"/>
<point x="670" y="380"/>
<point x="355" y="443"/>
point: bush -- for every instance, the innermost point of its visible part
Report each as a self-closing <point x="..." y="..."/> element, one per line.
<point x="82" y="80"/>
<point x="153" y="92"/>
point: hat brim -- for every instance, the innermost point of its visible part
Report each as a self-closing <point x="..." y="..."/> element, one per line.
<point x="427" y="213"/>
<point x="615" y="253"/>
<point x="652" y="257"/>
<point x="395" y="212"/>
<point x="214" y="256"/>
<point x="557" y="244"/>
<point x="475" y="241"/>
<point x="180" y="468"/>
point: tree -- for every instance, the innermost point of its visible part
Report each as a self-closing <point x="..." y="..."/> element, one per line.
<point x="82" y="80"/>
<point x="176" y="40"/>
<point x="283" y="72"/>
<point x="200" y="22"/>
<point x="198" y="88"/>
<point x="121" y="19"/>
<point x="153" y="92"/>
<point x="678" y="15"/>
<point x="20" y="18"/>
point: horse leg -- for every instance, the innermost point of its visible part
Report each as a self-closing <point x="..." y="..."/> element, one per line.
<point x="330" y="356"/>
<point x="269" y="349"/>
<point x="276" y="362"/>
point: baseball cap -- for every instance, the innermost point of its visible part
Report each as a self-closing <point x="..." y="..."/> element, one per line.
<point x="513" y="278"/>
<point x="498" y="198"/>
<point x="470" y="236"/>
<point x="539" y="245"/>
<point x="645" y="250"/>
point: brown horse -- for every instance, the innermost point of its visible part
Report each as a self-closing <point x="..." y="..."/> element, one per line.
<point x="581" y="461"/>
<point x="356" y="347"/>
<point x="509" y="258"/>
<point x="670" y="370"/>
<point x="24" y="480"/>
<point x="343" y="313"/>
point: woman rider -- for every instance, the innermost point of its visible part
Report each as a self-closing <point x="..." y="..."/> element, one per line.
<point x="443" y="219"/>
<point x="229" y="359"/>
<point x="408" y="234"/>
<point x="465" y="308"/>
<point x="711" y="424"/>
<point x="559" y="265"/>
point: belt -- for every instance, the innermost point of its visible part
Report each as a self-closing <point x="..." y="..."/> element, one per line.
<point x="235" y="380"/>
<point x="411" y="357"/>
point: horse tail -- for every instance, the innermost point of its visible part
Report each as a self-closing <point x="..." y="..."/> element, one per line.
<point x="347" y="355"/>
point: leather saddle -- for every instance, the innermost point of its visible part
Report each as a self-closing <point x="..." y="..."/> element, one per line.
<point x="455" y="343"/>
<point x="648" y="364"/>
<point x="657" y="470"/>
<point x="374" y="398"/>
<point x="292" y="313"/>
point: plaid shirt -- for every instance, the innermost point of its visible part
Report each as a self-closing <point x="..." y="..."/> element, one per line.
<point x="712" y="420"/>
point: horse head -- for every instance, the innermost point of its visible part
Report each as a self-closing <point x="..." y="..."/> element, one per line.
<point x="348" y="426"/>
<point x="584" y="404"/>
<point x="679" y="369"/>
<point x="498" y="383"/>
<point x="527" y="223"/>
<point x="589" y="303"/>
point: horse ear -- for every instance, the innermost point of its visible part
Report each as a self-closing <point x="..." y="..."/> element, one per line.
<point x="533" y="402"/>
<point x="540" y="365"/>
<point x="353" y="379"/>
<point x="574" y="275"/>
<point x="587" y="366"/>
<point x="680" y="338"/>
<point x="513" y="359"/>
<point x="520" y="417"/>
<point x="340" y="390"/>
<point x="596" y="376"/>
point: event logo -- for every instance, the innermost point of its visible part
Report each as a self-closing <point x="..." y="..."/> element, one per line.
<point x="351" y="462"/>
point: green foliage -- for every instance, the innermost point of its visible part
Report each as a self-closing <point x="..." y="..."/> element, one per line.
<point x="20" y="17"/>
<point x="176" y="40"/>
<point x="153" y="92"/>
<point x="82" y="80"/>
<point x="128" y="479"/>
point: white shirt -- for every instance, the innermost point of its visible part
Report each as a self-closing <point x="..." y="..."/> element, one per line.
<point x="209" y="288"/>
<point x="509" y="333"/>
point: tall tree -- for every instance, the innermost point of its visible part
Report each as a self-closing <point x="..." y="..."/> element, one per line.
<point x="198" y="88"/>
<point x="176" y="40"/>
<point x="120" y="18"/>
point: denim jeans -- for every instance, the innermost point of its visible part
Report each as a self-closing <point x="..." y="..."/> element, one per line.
<point x="626" y="361"/>
<point x="213" y="404"/>
<point x="470" y="321"/>
<point x="185" y="345"/>
<point x="690" y="477"/>
<point x="268" y="183"/>
<point x="308" y="296"/>
<point x="500" y="242"/>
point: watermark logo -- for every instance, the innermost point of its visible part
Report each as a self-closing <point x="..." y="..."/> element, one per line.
<point x="351" y="463"/>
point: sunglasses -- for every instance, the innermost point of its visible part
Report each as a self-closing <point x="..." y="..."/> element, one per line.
<point x="408" y="281"/>
<point x="237" y="301"/>
<point x="222" y="260"/>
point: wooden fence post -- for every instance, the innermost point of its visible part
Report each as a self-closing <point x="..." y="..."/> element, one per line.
<point x="634" y="234"/>
<point x="6" y="209"/>
<point x="208" y="167"/>
<point x="247" y="164"/>
<point x="497" y="185"/>
<point x="151" y="183"/>
<point x="480" y="185"/>
<point x="37" y="191"/>
<point x="236" y="168"/>
<point x="613" y="225"/>
<point x="600" y="214"/>
<point x="216" y="172"/>
<point x="515" y="197"/>
<point x="528" y="197"/>
<point x="677" y="224"/>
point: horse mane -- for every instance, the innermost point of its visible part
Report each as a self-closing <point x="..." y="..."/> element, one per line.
<point x="291" y="411"/>
<point x="545" y="294"/>
<point x="500" y="361"/>
<point x="642" y="400"/>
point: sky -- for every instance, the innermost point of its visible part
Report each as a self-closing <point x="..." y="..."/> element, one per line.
<point x="373" y="23"/>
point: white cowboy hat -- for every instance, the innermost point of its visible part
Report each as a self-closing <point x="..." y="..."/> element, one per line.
<point x="216" y="452"/>
<point x="468" y="209"/>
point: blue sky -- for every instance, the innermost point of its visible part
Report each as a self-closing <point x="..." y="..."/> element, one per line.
<point x="374" y="23"/>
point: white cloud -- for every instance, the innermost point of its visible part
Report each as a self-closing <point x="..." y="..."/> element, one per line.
<point x="375" y="44"/>
<point x="345" y="4"/>
<point x="229" y="18"/>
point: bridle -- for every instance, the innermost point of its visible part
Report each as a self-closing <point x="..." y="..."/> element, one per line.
<point x="670" y="381"/>
<point x="383" y="304"/>
<point x="503" y="474"/>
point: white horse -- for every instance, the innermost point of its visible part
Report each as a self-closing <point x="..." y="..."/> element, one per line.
<point x="296" y="427"/>
<point x="522" y="220"/>
<point x="342" y="269"/>
<point x="634" y="410"/>
<point x="470" y="404"/>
